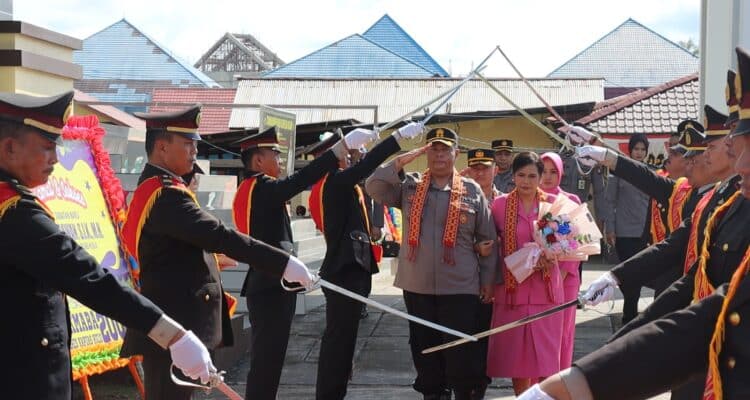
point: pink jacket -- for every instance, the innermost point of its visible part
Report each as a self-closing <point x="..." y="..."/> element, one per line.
<point x="570" y="267"/>
<point x="533" y="290"/>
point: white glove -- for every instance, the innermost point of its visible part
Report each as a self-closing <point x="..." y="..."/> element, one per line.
<point x="602" y="289"/>
<point x="596" y="153"/>
<point x="359" y="137"/>
<point x="190" y="355"/>
<point x="296" y="271"/>
<point x="410" y="130"/>
<point x="579" y="134"/>
<point x="534" y="393"/>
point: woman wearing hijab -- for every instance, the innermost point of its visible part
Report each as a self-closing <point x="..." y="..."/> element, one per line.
<point x="569" y="271"/>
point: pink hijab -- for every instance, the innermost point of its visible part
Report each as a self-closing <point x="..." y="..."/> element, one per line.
<point x="555" y="158"/>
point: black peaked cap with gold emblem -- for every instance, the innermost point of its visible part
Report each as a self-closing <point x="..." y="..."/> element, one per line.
<point x="502" y="145"/>
<point x="184" y="122"/>
<point x="269" y="139"/>
<point x="731" y="98"/>
<point x="445" y="136"/>
<point x="742" y="89"/>
<point x="692" y="142"/>
<point x="480" y="156"/>
<point x="47" y="115"/>
<point x="714" y="124"/>
<point x="682" y="129"/>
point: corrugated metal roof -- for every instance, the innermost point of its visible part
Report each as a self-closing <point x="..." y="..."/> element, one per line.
<point x="213" y="119"/>
<point x="395" y="97"/>
<point x="352" y="57"/>
<point x="387" y="33"/>
<point x="122" y="51"/>
<point x="657" y="110"/>
<point x="631" y="55"/>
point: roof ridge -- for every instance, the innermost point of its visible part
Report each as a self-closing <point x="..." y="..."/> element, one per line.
<point x="339" y="41"/>
<point x="628" y="101"/>
<point x="627" y="21"/>
<point x="411" y="40"/>
<point x="203" y="78"/>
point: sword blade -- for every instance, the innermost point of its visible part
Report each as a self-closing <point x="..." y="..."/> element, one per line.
<point x="228" y="391"/>
<point x="503" y="328"/>
<point x="466" y="338"/>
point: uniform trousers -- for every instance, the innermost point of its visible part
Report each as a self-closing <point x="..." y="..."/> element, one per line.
<point x="626" y="248"/>
<point x="484" y="322"/>
<point x="270" y="312"/>
<point x="340" y="335"/>
<point x="156" y="379"/>
<point x="458" y="368"/>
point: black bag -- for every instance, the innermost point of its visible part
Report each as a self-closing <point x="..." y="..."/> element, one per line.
<point x="390" y="248"/>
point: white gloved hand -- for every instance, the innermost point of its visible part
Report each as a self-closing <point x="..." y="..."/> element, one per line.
<point x="190" y="355"/>
<point x="535" y="393"/>
<point x="596" y="153"/>
<point x="579" y="134"/>
<point x="602" y="289"/>
<point x="410" y="130"/>
<point x="297" y="272"/>
<point x="359" y="137"/>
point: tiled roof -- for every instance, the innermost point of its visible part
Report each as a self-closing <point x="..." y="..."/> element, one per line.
<point x="631" y="55"/>
<point x="114" y="114"/>
<point x="656" y="110"/>
<point x="351" y="57"/>
<point x="387" y="33"/>
<point x="121" y="63"/>
<point x="213" y="119"/>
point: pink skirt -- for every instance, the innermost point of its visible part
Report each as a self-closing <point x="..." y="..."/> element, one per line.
<point x="529" y="351"/>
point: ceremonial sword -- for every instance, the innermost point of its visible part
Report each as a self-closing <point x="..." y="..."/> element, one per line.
<point x="328" y="285"/>
<point x="215" y="381"/>
<point x="514" y="324"/>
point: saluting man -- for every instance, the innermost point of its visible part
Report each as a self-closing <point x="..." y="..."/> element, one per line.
<point x="338" y="204"/>
<point x="439" y="268"/>
<point x="260" y="210"/>
<point x="174" y="241"/>
<point x="41" y="264"/>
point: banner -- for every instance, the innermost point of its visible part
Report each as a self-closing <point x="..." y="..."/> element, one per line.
<point x="286" y="127"/>
<point x="86" y="212"/>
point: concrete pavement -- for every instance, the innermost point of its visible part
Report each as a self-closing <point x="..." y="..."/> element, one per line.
<point x="382" y="366"/>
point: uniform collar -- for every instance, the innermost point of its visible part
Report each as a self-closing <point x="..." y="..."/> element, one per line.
<point x="166" y="171"/>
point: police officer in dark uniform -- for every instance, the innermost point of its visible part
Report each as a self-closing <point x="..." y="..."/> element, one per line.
<point x="260" y="210"/>
<point x="722" y="241"/>
<point x="503" y="158"/>
<point x="41" y="264"/>
<point x="349" y="261"/>
<point x="175" y="241"/>
<point x="710" y="335"/>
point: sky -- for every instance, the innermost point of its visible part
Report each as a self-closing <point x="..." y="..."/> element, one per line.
<point x="537" y="35"/>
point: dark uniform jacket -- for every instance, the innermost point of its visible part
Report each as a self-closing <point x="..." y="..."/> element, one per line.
<point x="659" y="188"/>
<point x="669" y="255"/>
<point x="668" y="351"/>
<point x="269" y="218"/>
<point x="179" y="270"/>
<point x="40" y="263"/>
<point x="728" y="244"/>
<point x="346" y="234"/>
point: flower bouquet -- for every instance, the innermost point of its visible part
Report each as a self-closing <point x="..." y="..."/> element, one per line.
<point x="564" y="231"/>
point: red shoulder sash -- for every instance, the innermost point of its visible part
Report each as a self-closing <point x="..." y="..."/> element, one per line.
<point x="241" y="206"/>
<point x="144" y="197"/>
